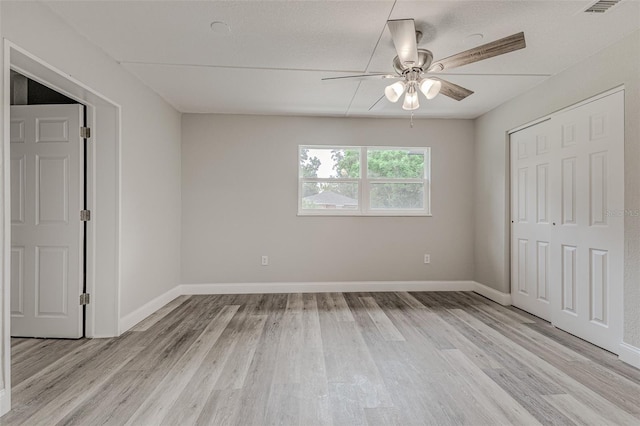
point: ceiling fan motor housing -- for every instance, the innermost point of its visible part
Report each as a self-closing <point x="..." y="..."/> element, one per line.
<point x="425" y="57"/>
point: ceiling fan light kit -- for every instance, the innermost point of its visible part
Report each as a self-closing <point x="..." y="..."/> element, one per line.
<point x="430" y="88"/>
<point x="412" y="65"/>
<point x="413" y="81"/>
<point x="411" y="101"/>
<point x="394" y="91"/>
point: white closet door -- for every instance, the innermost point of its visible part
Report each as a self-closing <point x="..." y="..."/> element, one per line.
<point x="46" y="231"/>
<point x="531" y="154"/>
<point x="567" y="232"/>
<point x="587" y="297"/>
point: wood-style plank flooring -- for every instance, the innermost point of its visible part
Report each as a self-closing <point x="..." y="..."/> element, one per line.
<point x="333" y="358"/>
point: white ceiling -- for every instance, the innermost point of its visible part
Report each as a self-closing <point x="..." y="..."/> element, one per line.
<point x="273" y="59"/>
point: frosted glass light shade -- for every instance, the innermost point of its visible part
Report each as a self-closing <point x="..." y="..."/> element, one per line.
<point x="411" y="100"/>
<point x="430" y="88"/>
<point x="394" y="91"/>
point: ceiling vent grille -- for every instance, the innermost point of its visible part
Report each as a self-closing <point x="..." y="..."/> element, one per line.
<point x="602" y="6"/>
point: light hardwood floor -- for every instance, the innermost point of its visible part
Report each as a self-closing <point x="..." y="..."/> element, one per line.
<point x="343" y="359"/>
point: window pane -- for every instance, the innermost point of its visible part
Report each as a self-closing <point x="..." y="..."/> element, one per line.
<point x="395" y="163"/>
<point x="339" y="195"/>
<point x="397" y="196"/>
<point x="329" y="162"/>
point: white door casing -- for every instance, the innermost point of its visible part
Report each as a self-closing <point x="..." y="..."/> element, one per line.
<point x="46" y="230"/>
<point x="585" y="183"/>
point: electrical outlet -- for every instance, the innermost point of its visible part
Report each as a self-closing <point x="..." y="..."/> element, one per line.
<point x="265" y="260"/>
<point x="427" y="258"/>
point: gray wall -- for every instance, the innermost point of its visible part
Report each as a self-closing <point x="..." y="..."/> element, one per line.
<point x="619" y="64"/>
<point x="149" y="231"/>
<point x="239" y="198"/>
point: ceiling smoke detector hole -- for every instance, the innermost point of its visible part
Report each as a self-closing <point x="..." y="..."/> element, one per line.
<point x="220" y="27"/>
<point x="473" y="39"/>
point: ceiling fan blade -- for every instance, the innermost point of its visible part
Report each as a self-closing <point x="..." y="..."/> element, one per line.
<point x="452" y="90"/>
<point x="377" y="104"/>
<point x="363" y="77"/>
<point x="486" y="51"/>
<point x="403" y="33"/>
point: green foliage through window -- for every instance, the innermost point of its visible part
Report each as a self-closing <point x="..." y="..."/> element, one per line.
<point x="395" y="164"/>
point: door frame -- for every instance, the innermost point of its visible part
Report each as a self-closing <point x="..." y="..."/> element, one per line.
<point x="103" y="198"/>
<point x="510" y="218"/>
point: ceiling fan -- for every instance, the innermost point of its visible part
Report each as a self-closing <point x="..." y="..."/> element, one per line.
<point x="414" y="66"/>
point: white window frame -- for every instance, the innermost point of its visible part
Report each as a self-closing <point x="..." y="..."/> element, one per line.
<point x="364" y="184"/>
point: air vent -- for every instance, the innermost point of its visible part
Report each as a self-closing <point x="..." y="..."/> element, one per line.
<point x="602" y="6"/>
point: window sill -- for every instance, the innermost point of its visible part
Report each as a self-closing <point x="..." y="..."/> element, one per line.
<point x="371" y="214"/>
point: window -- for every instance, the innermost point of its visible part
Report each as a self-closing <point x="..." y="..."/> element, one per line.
<point x="363" y="180"/>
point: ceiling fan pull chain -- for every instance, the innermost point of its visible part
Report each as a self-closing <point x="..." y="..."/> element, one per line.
<point x="411" y="123"/>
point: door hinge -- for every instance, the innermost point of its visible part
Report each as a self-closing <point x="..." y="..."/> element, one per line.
<point x="84" y="299"/>
<point x="85" y="215"/>
<point x="85" y="132"/>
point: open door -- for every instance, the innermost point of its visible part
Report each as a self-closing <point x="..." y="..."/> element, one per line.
<point x="47" y="233"/>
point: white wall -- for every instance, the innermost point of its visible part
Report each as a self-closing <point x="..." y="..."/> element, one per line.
<point x="149" y="253"/>
<point x="239" y="193"/>
<point x="619" y="64"/>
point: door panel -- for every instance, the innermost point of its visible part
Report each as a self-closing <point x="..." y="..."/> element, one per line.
<point x="569" y="279"/>
<point x="542" y="193"/>
<point x="599" y="286"/>
<point x="568" y="191"/>
<point x="523" y="288"/>
<point x="542" y="266"/>
<point x="52" y="190"/>
<point x="51" y="281"/>
<point x="17" y="281"/>
<point x="17" y="130"/>
<point x="18" y="182"/>
<point x="52" y="130"/>
<point x="598" y="188"/>
<point x="46" y="233"/>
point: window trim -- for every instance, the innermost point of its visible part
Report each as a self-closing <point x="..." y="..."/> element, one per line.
<point x="364" y="185"/>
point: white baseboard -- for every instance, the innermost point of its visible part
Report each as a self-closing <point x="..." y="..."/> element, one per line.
<point x="629" y="354"/>
<point x="5" y="401"/>
<point x="493" y="294"/>
<point x="147" y="309"/>
<point x="325" y="287"/>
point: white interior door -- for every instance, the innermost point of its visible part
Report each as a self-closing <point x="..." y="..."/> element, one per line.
<point x="567" y="237"/>
<point x="531" y="154"/>
<point x="589" y="247"/>
<point x="46" y="231"/>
